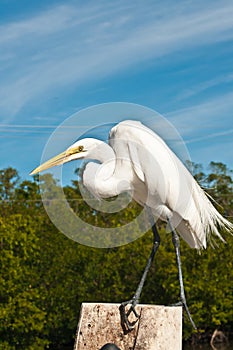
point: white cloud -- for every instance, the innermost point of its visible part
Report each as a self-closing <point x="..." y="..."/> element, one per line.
<point x="211" y="136"/>
<point x="77" y="44"/>
<point x="205" y="85"/>
<point x="204" y="118"/>
<point x="42" y="24"/>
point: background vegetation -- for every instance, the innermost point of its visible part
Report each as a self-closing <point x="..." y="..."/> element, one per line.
<point x="45" y="276"/>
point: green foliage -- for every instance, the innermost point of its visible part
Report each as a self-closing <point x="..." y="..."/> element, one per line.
<point x="22" y="315"/>
<point x="8" y="179"/>
<point x="45" y="276"/>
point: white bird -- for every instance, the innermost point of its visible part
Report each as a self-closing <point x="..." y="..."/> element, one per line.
<point x="138" y="160"/>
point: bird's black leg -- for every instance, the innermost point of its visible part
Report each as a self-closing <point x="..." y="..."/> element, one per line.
<point x="135" y="300"/>
<point x="176" y="243"/>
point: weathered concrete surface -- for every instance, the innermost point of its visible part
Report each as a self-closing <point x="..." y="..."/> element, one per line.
<point x="159" y="328"/>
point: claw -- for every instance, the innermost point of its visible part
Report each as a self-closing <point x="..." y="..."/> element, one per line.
<point x="128" y="325"/>
<point x="179" y="303"/>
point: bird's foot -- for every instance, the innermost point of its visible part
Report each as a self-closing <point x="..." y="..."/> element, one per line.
<point x="127" y="324"/>
<point x="179" y="303"/>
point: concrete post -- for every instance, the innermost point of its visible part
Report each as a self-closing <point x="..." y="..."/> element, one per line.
<point x="159" y="328"/>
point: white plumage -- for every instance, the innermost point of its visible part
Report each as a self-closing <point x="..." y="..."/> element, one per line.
<point x="137" y="159"/>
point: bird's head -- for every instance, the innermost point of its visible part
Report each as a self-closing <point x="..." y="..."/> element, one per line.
<point x="85" y="148"/>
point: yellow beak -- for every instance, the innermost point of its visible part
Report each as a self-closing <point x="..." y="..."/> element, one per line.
<point x="57" y="160"/>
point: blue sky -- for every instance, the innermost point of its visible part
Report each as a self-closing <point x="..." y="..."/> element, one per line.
<point x="58" y="57"/>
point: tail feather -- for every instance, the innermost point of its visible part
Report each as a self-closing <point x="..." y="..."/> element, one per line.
<point x="211" y="221"/>
<point x="201" y="221"/>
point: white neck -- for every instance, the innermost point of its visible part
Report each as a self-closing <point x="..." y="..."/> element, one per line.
<point x="100" y="179"/>
<point x="102" y="152"/>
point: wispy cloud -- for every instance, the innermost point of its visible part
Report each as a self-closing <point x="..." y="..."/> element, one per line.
<point x="204" y="118"/>
<point x="211" y="136"/>
<point x="203" y="86"/>
<point x="73" y="44"/>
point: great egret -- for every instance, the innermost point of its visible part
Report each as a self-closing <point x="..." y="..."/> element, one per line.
<point x="138" y="160"/>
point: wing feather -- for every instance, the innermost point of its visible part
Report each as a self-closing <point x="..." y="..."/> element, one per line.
<point x="171" y="189"/>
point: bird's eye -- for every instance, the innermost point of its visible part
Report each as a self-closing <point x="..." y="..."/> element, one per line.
<point x="80" y="148"/>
